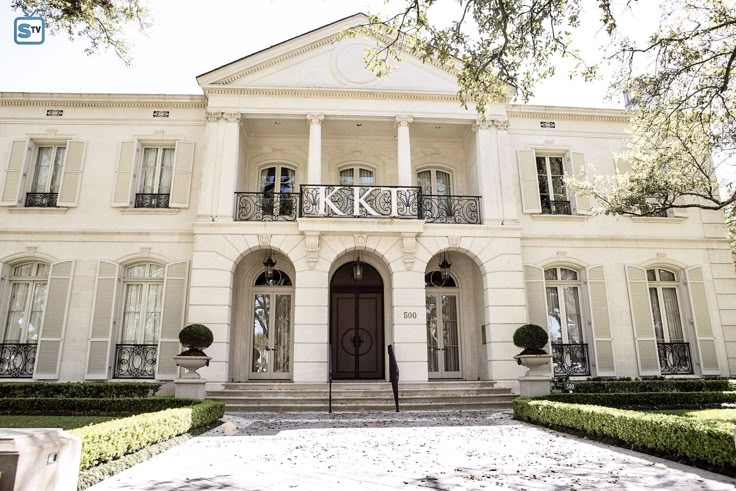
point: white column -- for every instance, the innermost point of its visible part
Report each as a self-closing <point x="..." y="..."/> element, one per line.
<point x="488" y="172"/>
<point x="404" y="149"/>
<point x="213" y="143"/>
<point x="314" y="161"/>
<point x="228" y="177"/>
<point x="506" y="166"/>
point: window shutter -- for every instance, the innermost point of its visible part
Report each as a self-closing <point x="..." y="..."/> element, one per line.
<point x="582" y="203"/>
<point x="706" y="341"/>
<point x="641" y="318"/>
<point x="181" y="184"/>
<point x="172" y="319"/>
<point x="124" y="174"/>
<point x="530" y="201"/>
<point x="622" y="165"/>
<point x="101" y="324"/>
<point x="51" y="337"/>
<point x="536" y="299"/>
<point x="15" y="172"/>
<point x="71" y="178"/>
<point x="600" y="322"/>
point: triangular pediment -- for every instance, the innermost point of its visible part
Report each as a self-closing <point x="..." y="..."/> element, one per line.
<point x="327" y="59"/>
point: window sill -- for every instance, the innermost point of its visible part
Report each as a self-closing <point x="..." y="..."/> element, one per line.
<point x="38" y="210"/>
<point x="657" y="219"/>
<point x="149" y="211"/>
<point x="560" y="218"/>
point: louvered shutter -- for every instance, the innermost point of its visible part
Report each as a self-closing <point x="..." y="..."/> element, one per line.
<point x="15" y="170"/>
<point x="181" y="184"/>
<point x="125" y="174"/>
<point x="172" y="320"/>
<point x="51" y="337"/>
<point x="71" y="178"/>
<point x="582" y="203"/>
<point x="706" y="341"/>
<point x="641" y="318"/>
<point x="101" y="325"/>
<point x="600" y="322"/>
<point x="530" y="201"/>
<point x="536" y="299"/>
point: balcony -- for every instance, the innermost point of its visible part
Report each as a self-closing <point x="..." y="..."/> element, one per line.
<point x="556" y="208"/>
<point x="333" y="201"/>
<point x="570" y="360"/>
<point x="41" y="200"/>
<point x="135" y="361"/>
<point x="151" y="200"/>
<point x="17" y="360"/>
<point x="675" y="359"/>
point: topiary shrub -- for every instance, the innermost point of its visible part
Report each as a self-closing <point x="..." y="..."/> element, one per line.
<point x="196" y="337"/>
<point x="532" y="338"/>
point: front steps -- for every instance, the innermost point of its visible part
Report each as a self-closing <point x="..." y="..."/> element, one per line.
<point x="361" y="396"/>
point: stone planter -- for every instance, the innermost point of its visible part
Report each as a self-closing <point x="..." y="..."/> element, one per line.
<point x="537" y="379"/>
<point x="191" y="385"/>
<point x="192" y="364"/>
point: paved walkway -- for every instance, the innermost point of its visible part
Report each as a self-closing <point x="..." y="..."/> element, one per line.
<point x="483" y="450"/>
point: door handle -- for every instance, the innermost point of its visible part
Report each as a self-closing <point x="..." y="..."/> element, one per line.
<point x="357" y="341"/>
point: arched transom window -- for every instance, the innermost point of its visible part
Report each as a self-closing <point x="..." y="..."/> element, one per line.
<point x="665" y="302"/>
<point x="356" y="175"/>
<point x="28" y="288"/>
<point x="143" y="286"/>
<point x="564" y="313"/>
<point x="434" y="182"/>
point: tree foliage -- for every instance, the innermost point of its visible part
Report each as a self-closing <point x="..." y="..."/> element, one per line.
<point x="101" y="22"/>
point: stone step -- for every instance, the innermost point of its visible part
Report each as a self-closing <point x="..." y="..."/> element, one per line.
<point x="361" y="401"/>
<point x="356" y="385"/>
<point x="455" y="406"/>
<point x="339" y="392"/>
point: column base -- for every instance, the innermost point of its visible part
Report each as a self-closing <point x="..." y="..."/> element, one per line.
<point x="534" y="385"/>
<point x="190" y="388"/>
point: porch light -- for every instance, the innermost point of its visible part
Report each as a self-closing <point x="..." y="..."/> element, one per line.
<point x="269" y="263"/>
<point x="445" y="268"/>
<point x="357" y="269"/>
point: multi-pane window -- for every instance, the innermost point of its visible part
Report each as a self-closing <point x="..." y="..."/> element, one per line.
<point x="154" y="183"/>
<point x="142" y="305"/>
<point x="552" y="192"/>
<point x="564" y="314"/>
<point x="434" y="182"/>
<point x="357" y="176"/>
<point x="46" y="179"/>
<point x="28" y="288"/>
<point x="276" y="180"/>
<point x="272" y="324"/>
<point x="665" y="303"/>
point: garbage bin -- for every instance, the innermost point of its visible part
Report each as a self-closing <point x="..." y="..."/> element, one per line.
<point x="39" y="459"/>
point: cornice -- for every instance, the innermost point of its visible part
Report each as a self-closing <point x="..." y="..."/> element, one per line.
<point x="337" y="93"/>
<point x="102" y="100"/>
<point x="569" y="113"/>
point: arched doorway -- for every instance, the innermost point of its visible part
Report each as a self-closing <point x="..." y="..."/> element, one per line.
<point x="356" y="323"/>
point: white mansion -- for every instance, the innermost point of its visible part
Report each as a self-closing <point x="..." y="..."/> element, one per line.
<point x="312" y="215"/>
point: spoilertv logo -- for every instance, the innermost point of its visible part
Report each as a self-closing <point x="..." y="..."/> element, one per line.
<point x="29" y="29"/>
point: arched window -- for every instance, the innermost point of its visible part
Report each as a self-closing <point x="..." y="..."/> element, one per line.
<point x="355" y="175"/>
<point x="434" y="279"/>
<point x="443" y="328"/>
<point x="277" y="179"/>
<point x="279" y="279"/>
<point x="564" y="312"/>
<point x="271" y="326"/>
<point x="434" y="182"/>
<point x="143" y="287"/>
<point x="665" y="302"/>
<point x="28" y="288"/>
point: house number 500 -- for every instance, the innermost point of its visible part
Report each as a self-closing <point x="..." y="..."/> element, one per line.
<point x="410" y="315"/>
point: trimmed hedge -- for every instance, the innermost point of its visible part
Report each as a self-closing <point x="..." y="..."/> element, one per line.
<point x="111" y="440"/>
<point x="103" y="390"/>
<point x="89" y="406"/>
<point x="648" y="400"/>
<point x="711" y="443"/>
<point x="666" y="385"/>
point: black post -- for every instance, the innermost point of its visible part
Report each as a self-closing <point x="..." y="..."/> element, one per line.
<point x="393" y="375"/>
<point x="329" y="369"/>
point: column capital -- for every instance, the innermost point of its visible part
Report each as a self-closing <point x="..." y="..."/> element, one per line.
<point x="482" y="124"/>
<point x="501" y="124"/>
<point x="315" y="118"/>
<point x="404" y="120"/>
<point x="231" y="117"/>
<point x="212" y="116"/>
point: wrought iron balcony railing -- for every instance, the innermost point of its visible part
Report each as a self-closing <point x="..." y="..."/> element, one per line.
<point x="556" y="208"/>
<point x="570" y="359"/>
<point x="266" y="207"/>
<point x="41" y="200"/>
<point x="17" y="360"/>
<point x="675" y="359"/>
<point x="147" y="200"/>
<point x="135" y="361"/>
<point x="336" y="201"/>
<point x="451" y="209"/>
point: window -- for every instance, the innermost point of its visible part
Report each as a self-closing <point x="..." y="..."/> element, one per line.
<point x="443" y="326"/>
<point x="564" y="314"/>
<point x="143" y="289"/>
<point x="665" y="303"/>
<point x="276" y="182"/>
<point x="46" y="178"/>
<point x="28" y="288"/>
<point x="434" y="182"/>
<point x="272" y="325"/>
<point x="552" y="192"/>
<point x="154" y="184"/>
<point x="366" y="177"/>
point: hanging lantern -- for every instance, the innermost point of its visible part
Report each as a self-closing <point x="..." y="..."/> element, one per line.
<point x="445" y="268"/>
<point x="269" y="263"/>
<point x="357" y="269"/>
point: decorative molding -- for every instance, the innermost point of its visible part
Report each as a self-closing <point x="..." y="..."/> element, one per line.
<point x="231" y="117"/>
<point x="31" y="250"/>
<point x="501" y="124"/>
<point x="315" y="119"/>
<point x="482" y="125"/>
<point x="605" y="115"/>
<point x="212" y="116"/>
<point x="453" y="241"/>
<point x="360" y="241"/>
<point x="100" y="100"/>
<point x="404" y="121"/>
<point x="264" y="240"/>
<point x="661" y="255"/>
<point x="334" y="93"/>
<point x="562" y="253"/>
<point x="312" y="248"/>
<point x="145" y="251"/>
<point x="409" y="249"/>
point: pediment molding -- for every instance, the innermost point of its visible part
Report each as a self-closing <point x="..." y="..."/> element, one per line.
<point x="337" y="93"/>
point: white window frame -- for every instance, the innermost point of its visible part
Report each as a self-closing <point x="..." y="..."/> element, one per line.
<point x="548" y="167"/>
<point x="437" y="292"/>
<point x="278" y="166"/>
<point x="157" y="169"/>
<point x="356" y="167"/>
<point x="32" y="280"/>
<point x="659" y="285"/>
<point x="146" y="282"/>
<point x="37" y="146"/>
<point x="433" y="179"/>
<point x="560" y="284"/>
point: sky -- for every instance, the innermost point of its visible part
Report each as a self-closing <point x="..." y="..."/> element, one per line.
<point x="190" y="37"/>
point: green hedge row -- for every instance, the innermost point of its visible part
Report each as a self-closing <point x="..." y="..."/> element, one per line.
<point x="649" y="400"/>
<point x="88" y="406"/>
<point x="711" y="443"/>
<point x="111" y="440"/>
<point x="667" y="385"/>
<point x="105" y="390"/>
